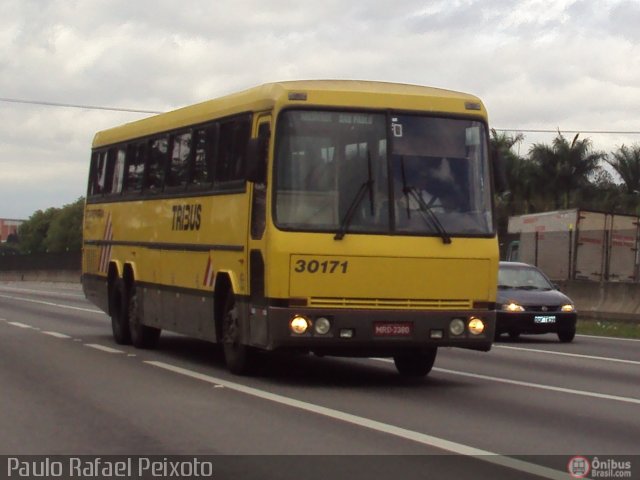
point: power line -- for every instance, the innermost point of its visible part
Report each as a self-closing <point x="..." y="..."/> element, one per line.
<point x="137" y="110"/>
<point x="562" y="130"/>
<point x="72" y="105"/>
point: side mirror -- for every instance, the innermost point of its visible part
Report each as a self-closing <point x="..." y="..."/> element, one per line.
<point x="256" y="166"/>
<point x="500" y="181"/>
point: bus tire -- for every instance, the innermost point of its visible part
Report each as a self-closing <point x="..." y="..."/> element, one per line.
<point x="417" y="364"/>
<point x="142" y="336"/>
<point x="239" y="358"/>
<point x="119" y="314"/>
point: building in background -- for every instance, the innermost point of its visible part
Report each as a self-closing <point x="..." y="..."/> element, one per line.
<point x="9" y="227"/>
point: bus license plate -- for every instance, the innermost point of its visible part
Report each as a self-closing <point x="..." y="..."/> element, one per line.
<point x="392" y="329"/>
<point x="544" y="319"/>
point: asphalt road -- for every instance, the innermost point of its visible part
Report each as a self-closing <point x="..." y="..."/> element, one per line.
<point x="522" y="410"/>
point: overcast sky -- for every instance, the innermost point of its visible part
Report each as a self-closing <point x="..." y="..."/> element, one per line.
<point x="536" y="64"/>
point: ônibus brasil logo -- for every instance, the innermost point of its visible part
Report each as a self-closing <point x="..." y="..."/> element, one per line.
<point x="579" y="467"/>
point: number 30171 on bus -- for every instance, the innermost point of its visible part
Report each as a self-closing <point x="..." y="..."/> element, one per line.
<point x="324" y="266"/>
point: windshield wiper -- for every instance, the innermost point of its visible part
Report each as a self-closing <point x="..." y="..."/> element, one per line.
<point x="426" y="209"/>
<point x="366" y="185"/>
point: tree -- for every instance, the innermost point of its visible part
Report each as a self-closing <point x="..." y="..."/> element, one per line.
<point x="33" y="232"/>
<point x="54" y="230"/>
<point x="564" y="168"/>
<point x="65" y="230"/>
<point x="514" y="172"/>
<point x="519" y="172"/>
<point x="626" y="163"/>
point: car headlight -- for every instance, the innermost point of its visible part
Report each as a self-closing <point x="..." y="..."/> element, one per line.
<point x="512" y="307"/>
<point x="567" y="308"/>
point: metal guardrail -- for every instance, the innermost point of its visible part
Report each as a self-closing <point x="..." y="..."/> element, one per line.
<point x="41" y="261"/>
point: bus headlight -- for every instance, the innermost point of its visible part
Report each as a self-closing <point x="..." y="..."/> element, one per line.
<point x="299" y="325"/>
<point x="456" y="327"/>
<point x="476" y="326"/>
<point x="322" y="326"/>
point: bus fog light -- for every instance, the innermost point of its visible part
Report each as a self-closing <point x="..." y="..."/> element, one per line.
<point x="347" y="333"/>
<point x="322" y="326"/>
<point x="456" y="327"/>
<point x="436" y="334"/>
<point x="299" y="325"/>
<point x="476" y="326"/>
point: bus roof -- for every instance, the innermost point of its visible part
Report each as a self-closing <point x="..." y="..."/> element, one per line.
<point x="307" y="93"/>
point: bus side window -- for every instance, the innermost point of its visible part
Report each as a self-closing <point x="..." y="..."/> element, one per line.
<point x="154" y="177"/>
<point x="98" y="173"/>
<point x="135" y="167"/>
<point x="232" y="148"/>
<point x="178" y="171"/>
<point x="205" y="146"/>
<point x="118" y="169"/>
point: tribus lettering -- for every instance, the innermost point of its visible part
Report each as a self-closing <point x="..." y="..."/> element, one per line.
<point x="186" y="217"/>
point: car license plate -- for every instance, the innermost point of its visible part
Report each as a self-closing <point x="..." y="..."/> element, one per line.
<point x="392" y="329"/>
<point x="544" y="319"/>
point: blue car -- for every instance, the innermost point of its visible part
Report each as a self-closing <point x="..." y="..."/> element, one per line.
<point x="529" y="303"/>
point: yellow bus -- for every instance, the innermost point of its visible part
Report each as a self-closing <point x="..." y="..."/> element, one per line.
<point x="345" y="218"/>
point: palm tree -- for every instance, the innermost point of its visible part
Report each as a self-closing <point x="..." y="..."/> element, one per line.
<point x="626" y="163"/>
<point x="564" y="168"/>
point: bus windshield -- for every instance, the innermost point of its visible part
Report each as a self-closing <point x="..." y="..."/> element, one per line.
<point x="363" y="172"/>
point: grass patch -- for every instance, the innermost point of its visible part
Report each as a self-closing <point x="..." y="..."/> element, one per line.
<point x="608" y="328"/>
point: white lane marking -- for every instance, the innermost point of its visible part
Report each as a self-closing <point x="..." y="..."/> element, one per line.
<point x="21" y="325"/>
<point x="411" y="435"/>
<point x="51" y="304"/>
<point x="530" y="385"/>
<point x="611" y="338"/>
<point x="56" y="334"/>
<point x="542" y="387"/>
<point x="565" y="354"/>
<point x="45" y="292"/>
<point x="102" y="348"/>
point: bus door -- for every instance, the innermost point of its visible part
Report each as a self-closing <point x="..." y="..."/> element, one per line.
<point x="256" y="242"/>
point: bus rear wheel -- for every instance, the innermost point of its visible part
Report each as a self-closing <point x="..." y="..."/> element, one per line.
<point x="142" y="336"/>
<point x="416" y="364"/>
<point x="238" y="357"/>
<point x="119" y="314"/>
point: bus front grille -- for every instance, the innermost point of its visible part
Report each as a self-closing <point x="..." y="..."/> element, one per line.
<point x="391" y="303"/>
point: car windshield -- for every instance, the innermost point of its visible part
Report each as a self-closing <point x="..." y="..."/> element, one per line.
<point x="522" y="277"/>
<point x="363" y="172"/>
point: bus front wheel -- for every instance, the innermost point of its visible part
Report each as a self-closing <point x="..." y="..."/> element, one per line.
<point x="238" y="357"/>
<point x="415" y="364"/>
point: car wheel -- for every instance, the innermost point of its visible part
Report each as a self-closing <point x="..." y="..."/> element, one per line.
<point x="415" y="364"/>
<point x="567" y="334"/>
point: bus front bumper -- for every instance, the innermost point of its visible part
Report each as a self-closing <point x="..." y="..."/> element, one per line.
<point x="375" y="332"/>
